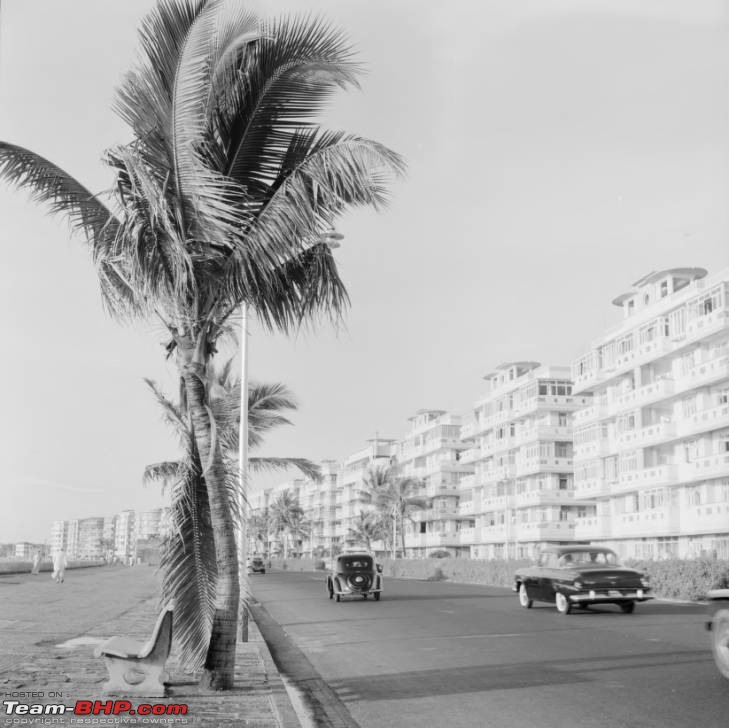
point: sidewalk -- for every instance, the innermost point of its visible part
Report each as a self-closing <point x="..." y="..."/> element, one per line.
<point x="62" y="669"/>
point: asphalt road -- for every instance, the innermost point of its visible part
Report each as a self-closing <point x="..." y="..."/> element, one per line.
<point x="465" y="656"/>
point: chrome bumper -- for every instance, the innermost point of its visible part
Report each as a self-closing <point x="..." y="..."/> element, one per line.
<point x="609" y="596"/>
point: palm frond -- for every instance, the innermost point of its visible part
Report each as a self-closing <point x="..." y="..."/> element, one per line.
<point x="266" y="464"/>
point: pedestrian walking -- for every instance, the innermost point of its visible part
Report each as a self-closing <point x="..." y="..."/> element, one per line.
<point x="59" y="566"/>
<point x="36" y="563"/>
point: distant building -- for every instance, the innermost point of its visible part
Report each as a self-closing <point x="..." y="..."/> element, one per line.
<point x="431" y="453"/>
<point x="652" y="450"/>
<point x="521" y="495"/>
<point x="90" y="545"/>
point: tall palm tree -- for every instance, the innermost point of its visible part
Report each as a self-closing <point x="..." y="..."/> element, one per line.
<point x="259" y="528"/>
<point x="286" y="513"/>
<point x="394" y="496"/>
<point x="221" y="198"/>
<point x="367" y="528"/>
<point x="188" y="557"/>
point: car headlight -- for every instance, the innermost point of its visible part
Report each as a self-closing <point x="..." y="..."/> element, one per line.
<point x="577" y="585"/>
<point x="645" y="580"/>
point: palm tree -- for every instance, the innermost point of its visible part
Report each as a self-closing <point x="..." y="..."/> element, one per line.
<point x="221" y="198"/>
<point x="259" y="528"/>
<point x="367" y="528"/>
<point x="394" y="496"/>
<point x="188" y="556"/>
<point x="286" y="513"/>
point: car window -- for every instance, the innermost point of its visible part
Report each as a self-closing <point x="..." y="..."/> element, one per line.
<point x="588" y="558"/>
<point x="360" y="563"/>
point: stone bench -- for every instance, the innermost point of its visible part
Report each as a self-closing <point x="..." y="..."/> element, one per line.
<point x="138" y="668"/>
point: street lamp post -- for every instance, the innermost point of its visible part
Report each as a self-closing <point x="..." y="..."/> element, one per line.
<point x="332" y="239"/>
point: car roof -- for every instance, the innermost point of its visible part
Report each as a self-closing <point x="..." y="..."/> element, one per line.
<point x="565" y="549"/>
<point x="348" y="554"/>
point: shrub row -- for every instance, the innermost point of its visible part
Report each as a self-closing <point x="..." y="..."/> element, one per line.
<point x="686" y="580"/>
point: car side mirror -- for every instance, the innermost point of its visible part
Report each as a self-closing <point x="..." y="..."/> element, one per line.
<point x="379" y="568"/>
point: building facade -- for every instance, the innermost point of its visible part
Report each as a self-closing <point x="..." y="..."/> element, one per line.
<point x="521" y="495"/>
<point x="652" y="449"/>
<point x="431" y="453"/>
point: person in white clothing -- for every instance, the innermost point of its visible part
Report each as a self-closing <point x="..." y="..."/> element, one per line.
<point x="59" y="566"/>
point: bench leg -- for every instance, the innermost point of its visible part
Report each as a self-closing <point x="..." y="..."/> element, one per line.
<point x="134" y="677"/>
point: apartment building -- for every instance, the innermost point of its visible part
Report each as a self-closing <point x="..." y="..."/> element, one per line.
<point x="652" y="450"/>
<point x="89" y="544"/>
<point x="351" y="499"/>
<point x="431" y="453"/>
<point x="521" y="495"/>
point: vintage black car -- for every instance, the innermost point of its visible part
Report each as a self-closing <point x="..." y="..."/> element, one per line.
<point x="256" y="565"/>
<point x="718" y="624"/>
<point x="577" y="576"/>
<point x="355" y="574"/>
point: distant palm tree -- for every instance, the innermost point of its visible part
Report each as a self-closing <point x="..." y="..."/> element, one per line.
<point x="259" y="528"/>
<point x="221" y="198"/>
<point x="367" y="528"/>
<point x="286" y="514"/>
<point x="188" y="561"/>
<point x="394" y="496"/>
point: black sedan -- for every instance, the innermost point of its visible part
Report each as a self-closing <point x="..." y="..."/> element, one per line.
<point x="718" y="624"/>
<point x="577" y="576"/>
<point x="355" y="574"/>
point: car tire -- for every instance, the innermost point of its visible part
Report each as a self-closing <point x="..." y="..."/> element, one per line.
<point x="627" y="607"/>
<point x="524" y="597"/>
<point x="263" y="571"/>
<point x="330" y="590"/>
<point x="364" y="596"/>
<point x="337" y="597"/>
<point x="562" y="603"/>
<point x="720" y="641"/>
<point x="377" y="596"/>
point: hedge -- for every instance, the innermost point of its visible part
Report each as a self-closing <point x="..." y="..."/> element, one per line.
<point x="682" y="579"/>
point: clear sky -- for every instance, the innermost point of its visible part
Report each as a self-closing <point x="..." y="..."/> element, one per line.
<point x="558" y="150"/>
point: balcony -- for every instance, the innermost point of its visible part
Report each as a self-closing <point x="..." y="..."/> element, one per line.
<point x="647" y="394"/>
<point x="591" y="488"/>
<point x="495" y="503"/>
<point x="709" y="419"/>
<point x="599" y="447"/>
<point x="493" y="534"/>
<point x="468" y="431"/>
<point x="704" y="374"/>
<point x="467" y="536"/>
<point x="595" y="411"/>
<point x="707" y="324"/>
<point x="710" y="518"/>
<point x="643" y="477"/>
<point x="553" y="496"/>
<point x="466" y="508"/>
<point x="543" y="465"/>
<point x="544" y="531"/>
<point x="646" y="436"/>
<point x="543" y="432"/>
<point x="500" y="472"/>
<point x="471" y="456"/>
<point x="467" y="481"/>
<point x="589" y="528"/>
<point x="654" y="522"/>
<point x="713" y="466"/>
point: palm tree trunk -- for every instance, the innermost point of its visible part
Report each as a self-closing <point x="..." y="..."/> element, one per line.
<point x="220" y="660"/>
<point x="402" y="533"/>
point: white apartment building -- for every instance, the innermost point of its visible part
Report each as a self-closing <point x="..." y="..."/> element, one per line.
<point x="125" y="542"/>
<point x="521" y="495"/>
<point x="350" y="497"/>
<point x="652" y="450"/>
<point x="431" y="452"/>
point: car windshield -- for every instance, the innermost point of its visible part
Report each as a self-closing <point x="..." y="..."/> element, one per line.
<point x="588" y="558"/>
<point x="356" y="562"/>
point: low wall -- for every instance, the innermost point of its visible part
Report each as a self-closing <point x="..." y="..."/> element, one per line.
<point x="684" y="579"/>
<point x="25" y="567"/>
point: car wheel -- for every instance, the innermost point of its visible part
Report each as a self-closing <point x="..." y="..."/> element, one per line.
<point x="330" y="590"/>
<point x="524" y="597"/>
<point x="338" y="597"/>
<point x="627" y="607"/>
<point x="263" y="571"/>
<point x="377" y="596"/>
<point x="364" y="596"/>
<point x="563" y="604"/>
<point x="720" y="641"/>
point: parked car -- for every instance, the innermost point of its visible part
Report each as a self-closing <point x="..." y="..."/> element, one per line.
<point x="718" y="624"/>
<point x="355" y="574"/>
<point x="256" y="565"/>
<point x="577" y="576"/>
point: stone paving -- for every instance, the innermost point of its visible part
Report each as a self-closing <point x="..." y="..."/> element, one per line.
<point x="48" y="632"/>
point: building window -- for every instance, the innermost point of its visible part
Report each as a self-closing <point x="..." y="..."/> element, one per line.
<point x="563" y="483"/>
<point x="562" y="419"/>
<point x="664" y="289"/>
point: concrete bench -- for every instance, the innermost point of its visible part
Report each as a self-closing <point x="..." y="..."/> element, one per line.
<point x="138" y="668"/>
